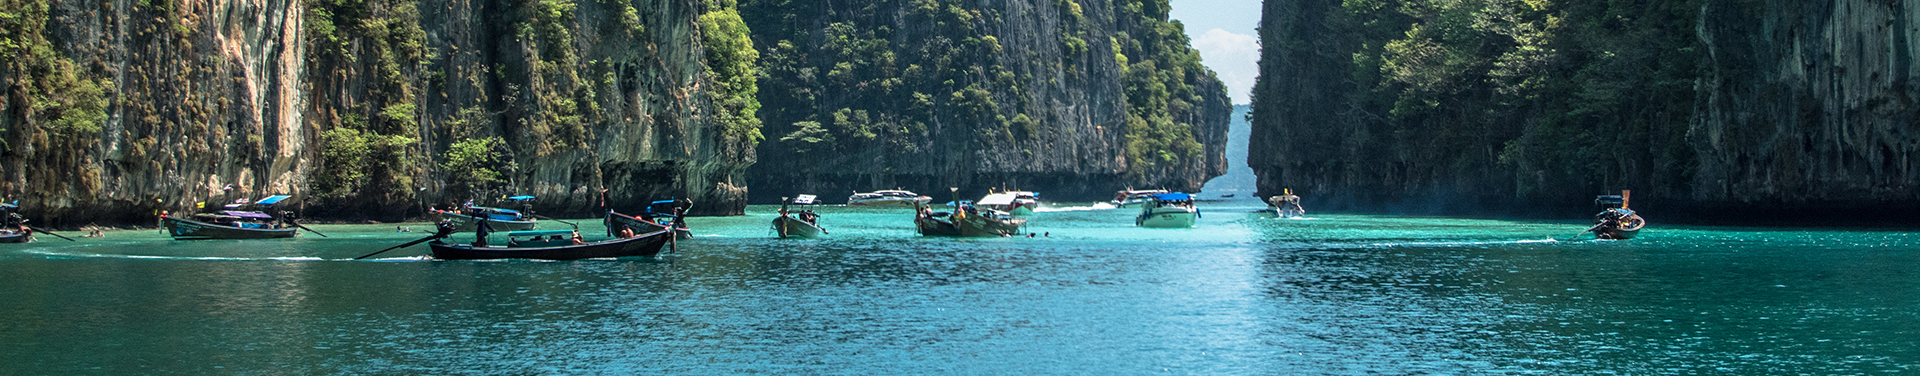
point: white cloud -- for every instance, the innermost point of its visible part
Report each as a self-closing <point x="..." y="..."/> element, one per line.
<point x="1235" y="57"/>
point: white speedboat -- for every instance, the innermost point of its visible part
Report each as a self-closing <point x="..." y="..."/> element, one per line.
<point x="1014" y="202"/>
<point x="1130" y="198"/>
<point x="1286" y="205"/>
<point x="888" y="198"/>
<point x="1167" y="210"/>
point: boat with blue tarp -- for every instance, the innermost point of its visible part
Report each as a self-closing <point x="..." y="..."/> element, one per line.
<point x="1168" y="210"/>
<point x="468" y="217"/>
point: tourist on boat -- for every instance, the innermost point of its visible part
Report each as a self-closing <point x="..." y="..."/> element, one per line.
<point x="577" y="240"/>
<point x="626" y="232"/>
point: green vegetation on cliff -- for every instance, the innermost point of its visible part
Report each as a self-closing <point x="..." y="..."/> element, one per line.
<point x="1486" y="98"/>
<point x="57" y="105"/>
<point x="941" y="88"/>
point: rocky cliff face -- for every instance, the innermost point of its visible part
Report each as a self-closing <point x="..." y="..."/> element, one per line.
<point x="1711" y="106"/>
<point x="361" y="109"/>
<point x="192" y="96"/>
<point x="1808" y="102"/>
<point x="1074" y="99"/>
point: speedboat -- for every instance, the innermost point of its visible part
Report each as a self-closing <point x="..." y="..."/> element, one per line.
<point x="1019" y="203"/>
<point x="1130" y="197"/>
<point x="798" y="223"/>
<point x="1286" y="205"/>
<point x="1167" y="210"/>
<point x="887" y="198"/>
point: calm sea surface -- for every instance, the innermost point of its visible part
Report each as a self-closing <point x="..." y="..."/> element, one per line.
<point x="1239" y="294"/>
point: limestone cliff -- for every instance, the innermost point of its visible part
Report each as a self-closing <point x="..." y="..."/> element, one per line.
<point x="373" y="109"/>
<point x="1074" y="99"/>
<point x="1707" y="107"/>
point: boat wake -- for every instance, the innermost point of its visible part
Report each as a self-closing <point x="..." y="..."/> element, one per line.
<point x="1462" y="243"/>
<point x="152" y="257"/>
<point x="1097" y="206"/>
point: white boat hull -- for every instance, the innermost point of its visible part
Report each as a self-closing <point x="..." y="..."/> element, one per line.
<point x="889" y="202"/>
<point x="1167" y="218"/>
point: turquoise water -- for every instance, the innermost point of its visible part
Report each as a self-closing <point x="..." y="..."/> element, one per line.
<point x="1239" y="294"/>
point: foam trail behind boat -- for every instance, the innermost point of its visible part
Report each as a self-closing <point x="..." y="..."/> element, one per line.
<point x="1096" y="206"/>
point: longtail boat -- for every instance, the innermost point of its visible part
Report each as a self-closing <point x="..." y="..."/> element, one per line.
<point x="234" y="223"/>
<point x="966" y="220"/>
<point x="1615" y="221"/>
<point x="15" y="230"/>
<point x="663" y="213"/>
<point x="644" y="245"/>
<point x="798" y="223"/>
<point x="468" y="217"/>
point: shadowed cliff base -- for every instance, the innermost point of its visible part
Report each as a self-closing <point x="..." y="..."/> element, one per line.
<point x="1657" y="210"/>
<point x="833" y="189"/>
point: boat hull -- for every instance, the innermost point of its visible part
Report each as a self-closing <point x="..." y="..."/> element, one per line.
<point x="16" y="236"/>
<point x="187" y="229"/>
<point x="1615" y="234"/>
<point x="1167" y="218"/>
<point x="979" y="226"/>
<point x="935" y="227"/>
<point x="789" y="227"/>
<point x="462" y="222"/>
<point x="647" y="245"/>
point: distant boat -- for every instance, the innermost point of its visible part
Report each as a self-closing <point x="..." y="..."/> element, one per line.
<point x="1168" y="210"/>
<point x="645" y="245"/>
<point x="1130" y="197"/>
<point x="663" y="213"/>
<point x="798" y="223"/>
<point x="1286" y="205"/>
<point x="1229" y="195"/>
<point x="469" y="216"/>
<point x="888" y="198"/>
<point x="1019" y="203"/>
<point x="1615" y="221"/>
<point x="233" y="223"/>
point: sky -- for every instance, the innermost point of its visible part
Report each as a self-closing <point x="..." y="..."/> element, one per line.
<point x="1223" y="32"/>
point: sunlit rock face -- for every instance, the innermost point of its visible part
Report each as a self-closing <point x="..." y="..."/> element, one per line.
<point x="214" y="100"/>
<point x="1036" y="95"/>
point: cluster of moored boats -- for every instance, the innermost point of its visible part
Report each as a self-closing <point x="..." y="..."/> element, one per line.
<point x="662" y="223"/>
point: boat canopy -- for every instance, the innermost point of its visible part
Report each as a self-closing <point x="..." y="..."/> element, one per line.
<point x="270" y="200"/>
<point x="520" y="198"/>
<point x="1172" y="197"/>
<point x="246" y="214"/>
<point x="998" y="199"/>
<point x="803" y="200"/>
<point x="540" y="233"/>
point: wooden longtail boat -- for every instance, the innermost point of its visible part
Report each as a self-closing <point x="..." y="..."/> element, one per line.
<point x="663" y="213"/>
<point x="16" y="236"/>
<point x="966" y="220"/>
<point x="1616" y="221"/>
<point x="645" y="245"/>
<point x="468" y="219"/>
<point x="187" y="229"/>
<point x="233" y="224"/>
